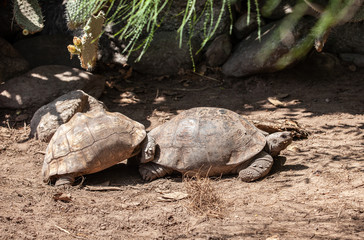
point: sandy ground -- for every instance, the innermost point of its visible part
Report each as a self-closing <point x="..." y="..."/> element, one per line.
<point x="317" y="194"/>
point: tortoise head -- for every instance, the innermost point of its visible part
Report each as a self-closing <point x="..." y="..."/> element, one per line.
<point x="278" y="141"/>
<point x="148" y="149"/>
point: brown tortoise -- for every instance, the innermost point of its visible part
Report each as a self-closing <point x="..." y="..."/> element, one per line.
<point x="211" y="141"/>
<point x="90" y="142"/>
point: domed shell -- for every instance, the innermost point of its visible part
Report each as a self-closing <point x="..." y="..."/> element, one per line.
<point x="205" y="136"/>
<point x="91" y="142"/>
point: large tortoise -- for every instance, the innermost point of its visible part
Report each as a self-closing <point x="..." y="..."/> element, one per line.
<point x="211" y="142"/>
<point x="90" y="142"/>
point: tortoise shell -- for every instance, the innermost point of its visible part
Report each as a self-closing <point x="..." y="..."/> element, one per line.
<point x="91" y="142"/>
<point x="206" y="139"/>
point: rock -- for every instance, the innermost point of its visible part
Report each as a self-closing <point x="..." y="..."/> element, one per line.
<point x="47" y="50"/>
<point x="241" y="27"/>
<point x="11" y="62"/>
<point x="219" y="50"/>
<point x="252" y="56"/>
<point x="164" y="56"/>
<point x="347" y="38"/>
<point x="272" y="10"/>
<point x="48" y="118"/>
<point x="357" y="59"/>
<point x="44" y="84"/>
<point x="8" y="29"/>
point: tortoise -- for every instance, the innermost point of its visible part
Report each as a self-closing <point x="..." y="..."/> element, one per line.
<point x="90" y="142"/>
<point x="211" y="142"/>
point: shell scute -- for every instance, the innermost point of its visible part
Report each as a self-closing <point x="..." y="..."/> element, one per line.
<point x="91" y="142"/>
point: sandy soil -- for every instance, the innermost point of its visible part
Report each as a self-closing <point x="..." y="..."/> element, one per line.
<point x="317" y="194"/>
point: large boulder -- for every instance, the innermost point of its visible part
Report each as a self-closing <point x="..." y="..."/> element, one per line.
<point x="164" y="56"/>
<point x="44" y="84"/>
<point x="254" y="56"/>
<point x="242" y="28"/>
<point x="11" y="62"/>
<point x="347" y="38"/>
<point x="219" y="50"/>
<point x="48" y="118"/>
<point x="276" y="9"/>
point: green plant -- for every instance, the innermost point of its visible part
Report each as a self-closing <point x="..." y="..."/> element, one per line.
<point x="86" y="46"/>
<point x="140" y="20"/>
<point x="28" y="15"/>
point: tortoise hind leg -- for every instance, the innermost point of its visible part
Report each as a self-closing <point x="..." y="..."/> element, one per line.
<point x="151" y="171"/>
<point x="66" y="179"/>
<point x="258" y="168"/>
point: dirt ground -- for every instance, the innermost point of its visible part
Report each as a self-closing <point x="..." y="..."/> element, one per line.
<point x="317" y="194"/>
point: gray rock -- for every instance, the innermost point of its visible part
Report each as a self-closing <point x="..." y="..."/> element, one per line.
<point x="347" y="38"/>
<point x="11" y="62"/>
<point x="219" y="50"/>
<point x="357" y="59"/>
<point x="47" y="50"/>
<point x="241" y="27"/>
<point x="48" y="118"/>
<point x="252" y="56"/>
<point x="271" y="10"/>
<point x="8" y="29"/>
<point x="164" y="56"/>
<point x="44" y="84"/>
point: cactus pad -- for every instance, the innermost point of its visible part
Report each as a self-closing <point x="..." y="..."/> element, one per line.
<point x="79" y="11"/>
<point x="28" y="15"/>
<point x="86" y="46"/>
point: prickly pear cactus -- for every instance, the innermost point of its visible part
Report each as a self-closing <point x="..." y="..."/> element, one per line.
<point x="86" y="46"/>
<point x="28" y="15"/>
<point x="79" y="11"/>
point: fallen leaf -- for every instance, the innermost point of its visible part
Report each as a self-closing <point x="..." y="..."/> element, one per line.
<point x="175" y="196"/>
<point x="276" y="102"/>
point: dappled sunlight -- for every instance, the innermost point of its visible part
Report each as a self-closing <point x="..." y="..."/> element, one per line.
<point x="39" y="76"/>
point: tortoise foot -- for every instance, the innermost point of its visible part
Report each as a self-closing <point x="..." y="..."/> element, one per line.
<point x="151" y="171"/>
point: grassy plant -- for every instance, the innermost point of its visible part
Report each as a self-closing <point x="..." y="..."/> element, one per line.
<point x="140" y="19"/>
<point x="203" y="199"/>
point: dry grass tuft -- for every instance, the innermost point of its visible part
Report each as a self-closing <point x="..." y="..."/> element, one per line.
<point x="203" y="199"/>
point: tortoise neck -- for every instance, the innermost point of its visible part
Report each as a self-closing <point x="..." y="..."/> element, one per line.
<point x="269" y="149"/>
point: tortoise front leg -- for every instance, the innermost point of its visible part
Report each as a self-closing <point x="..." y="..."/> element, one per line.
<point x="258" y="168"/>
<point x="151" y="171"/>
<point x="66" y="179"/>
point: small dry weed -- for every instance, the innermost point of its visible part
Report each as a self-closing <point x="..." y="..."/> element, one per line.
<point x="203" y="199"/>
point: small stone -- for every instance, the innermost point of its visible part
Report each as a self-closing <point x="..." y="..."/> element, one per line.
<point x="327" y="100"/>
<point x="293" y="149"/>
